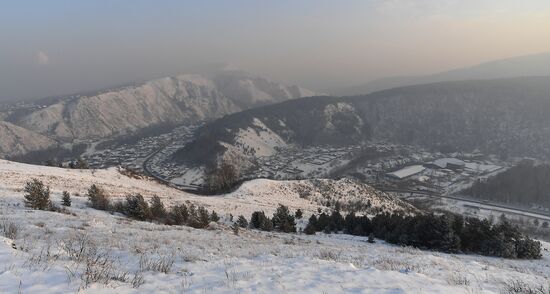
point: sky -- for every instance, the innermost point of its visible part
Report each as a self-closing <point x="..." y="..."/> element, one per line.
<point x="60" y="47"/>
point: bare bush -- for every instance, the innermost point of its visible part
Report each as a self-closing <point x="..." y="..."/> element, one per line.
<point x="99" y="265"/>
<point x="42" y="259"/>
<point x="457" y="279"/>
<point x="137" y="280"/>
<point x="329" y="255"/>
<point x="9" y="229"/>
<point x="78" y="246"/>
<point x="161" y="264"/>
<point x="98" y="268"/>
<point x="389" y="264"/>
<point x="519" y="286"/>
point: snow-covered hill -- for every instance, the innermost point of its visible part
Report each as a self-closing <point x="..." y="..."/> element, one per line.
<point x="15" y="140"/>
<point x="507" y="117"/>
<point x="43" y="256"/>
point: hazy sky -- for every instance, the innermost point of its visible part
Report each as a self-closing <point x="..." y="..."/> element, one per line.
<point x="56" y="47"/>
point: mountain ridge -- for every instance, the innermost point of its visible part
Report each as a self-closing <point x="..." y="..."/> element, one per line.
<point x="519" y="66"/>
<point x="188" y="98"/>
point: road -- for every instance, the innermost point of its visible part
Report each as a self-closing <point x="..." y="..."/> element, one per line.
<point x="148" y="172"/>
<point x="482" y="204"/>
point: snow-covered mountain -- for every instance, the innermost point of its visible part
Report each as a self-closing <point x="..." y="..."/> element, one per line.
<point x="163" y="101"/>
<point x="16" y="140"/>
<point x="84" y="250"/>
<point x="184" y="98"/>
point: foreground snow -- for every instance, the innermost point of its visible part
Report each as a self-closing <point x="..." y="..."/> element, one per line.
<point x="216" y="260"/>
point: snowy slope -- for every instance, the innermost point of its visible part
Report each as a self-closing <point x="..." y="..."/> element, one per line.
<point x="38" y="259"/>
<point x="15" y="140"/>
<point x="162" y="101"/>
<point x="258" y="139"/>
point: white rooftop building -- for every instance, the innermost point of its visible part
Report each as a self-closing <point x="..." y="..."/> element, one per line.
<point x="406" y="172"/>
<point x="448" y="163"/>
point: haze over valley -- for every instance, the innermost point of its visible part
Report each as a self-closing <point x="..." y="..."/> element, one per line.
<point x="275" y="147"/>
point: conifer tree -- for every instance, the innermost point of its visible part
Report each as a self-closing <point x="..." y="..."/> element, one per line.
<point x="66" y="199"/>
<point x="158" y="211"/>
<point x="37" y="196"/>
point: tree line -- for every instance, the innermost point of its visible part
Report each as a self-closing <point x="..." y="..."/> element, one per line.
<point x="450" y="233"/>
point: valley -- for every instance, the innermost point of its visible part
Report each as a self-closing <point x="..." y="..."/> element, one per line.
<point x="232" y="147"/>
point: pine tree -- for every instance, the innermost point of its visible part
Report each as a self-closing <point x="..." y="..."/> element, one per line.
<point x="158" y="211"/>
<point x="66" y="199"/>
<point x="258" y="220"/>
<point x="37" y="196"/>
<point x="283" y="221"/>
<point x="136" y="207"/>
<point x="204" y="217"/>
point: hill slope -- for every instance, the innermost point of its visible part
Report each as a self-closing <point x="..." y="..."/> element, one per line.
<point x="43" y="255"/>
<point x="15" y="140"/>
<point x="504" y="117"/>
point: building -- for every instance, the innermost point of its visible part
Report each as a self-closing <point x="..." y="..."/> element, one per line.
<point x="406" y="172"/>
<point x="449" y="163"/>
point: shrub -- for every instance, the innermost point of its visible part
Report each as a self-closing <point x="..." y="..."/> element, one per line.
<point x="242" y="222"/>
<point x="66" y="199"/>
<point x="298" y="214"/>
<point x="179" y="215"/>
<point x="235" y="228"/>
<point x="371" y="238"/>
<point x="199" y="218"/>
<point x="9" y="229"/>
<point x="214" y="217"/>
<point x="162" y="264"/>
<point x="37" y="196"/>
<point x="98" y="198"/>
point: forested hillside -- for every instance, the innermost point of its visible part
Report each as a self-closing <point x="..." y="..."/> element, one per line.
<point x="506" y="117"/>
<point x="521" y="184"/>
